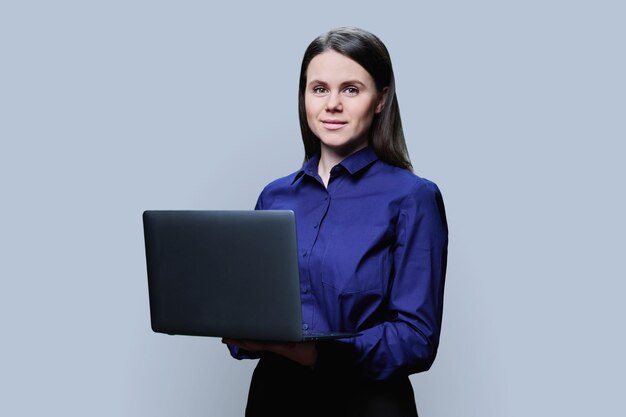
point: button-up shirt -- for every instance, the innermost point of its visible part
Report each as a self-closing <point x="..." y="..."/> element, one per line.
<point x="372" y="258"/>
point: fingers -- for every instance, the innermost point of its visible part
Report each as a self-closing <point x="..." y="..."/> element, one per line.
<point x="250" y="345"/>
<point x="237" y="342"/>
<point x="303" y="353"/>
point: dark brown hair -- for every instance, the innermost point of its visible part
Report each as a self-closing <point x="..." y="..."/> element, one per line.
<point x="386" y="136"/>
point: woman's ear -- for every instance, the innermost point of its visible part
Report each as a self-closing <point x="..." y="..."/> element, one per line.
<point x="382" y="98"/>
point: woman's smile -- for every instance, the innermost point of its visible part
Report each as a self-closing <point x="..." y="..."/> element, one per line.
<point x="332" y="124"/>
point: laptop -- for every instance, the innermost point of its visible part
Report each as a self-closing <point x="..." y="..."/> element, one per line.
<point x="231" y="274"/>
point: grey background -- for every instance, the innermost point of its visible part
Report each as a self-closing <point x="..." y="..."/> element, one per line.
<point x="516" y="110"/>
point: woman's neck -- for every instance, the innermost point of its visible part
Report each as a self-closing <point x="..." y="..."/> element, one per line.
<point x="325" y="165"/>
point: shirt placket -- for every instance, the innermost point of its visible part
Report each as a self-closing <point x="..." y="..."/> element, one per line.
<point x="313" y="254"/>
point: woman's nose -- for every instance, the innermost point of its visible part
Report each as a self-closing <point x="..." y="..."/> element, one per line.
<point x="334" y="103"/>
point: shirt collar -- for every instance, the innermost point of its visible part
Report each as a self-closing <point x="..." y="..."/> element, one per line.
<point x="352" y="163"/>
<point x="309" y="168"/>
<point x="359" y="160"/>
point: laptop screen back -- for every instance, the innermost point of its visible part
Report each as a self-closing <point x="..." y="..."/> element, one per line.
<point x="223" y="273"/>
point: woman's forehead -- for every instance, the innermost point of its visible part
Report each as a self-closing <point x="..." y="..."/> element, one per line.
<point x="332" y="67"/>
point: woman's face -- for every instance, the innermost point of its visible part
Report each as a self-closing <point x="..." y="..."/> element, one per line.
<point x="340" y="100"/>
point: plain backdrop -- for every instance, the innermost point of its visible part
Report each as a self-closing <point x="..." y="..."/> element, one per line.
<point x="516" y="109"/>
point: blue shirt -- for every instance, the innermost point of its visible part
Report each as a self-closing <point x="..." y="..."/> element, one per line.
<point x="372" y="255"/>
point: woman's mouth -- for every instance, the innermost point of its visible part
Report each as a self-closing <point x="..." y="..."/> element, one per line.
<point x="333" y="124"/>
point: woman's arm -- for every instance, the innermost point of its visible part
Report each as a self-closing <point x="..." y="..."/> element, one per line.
<point x="408" y="338"/>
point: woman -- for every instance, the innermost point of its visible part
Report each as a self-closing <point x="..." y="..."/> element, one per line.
<point x="372" y="240"/>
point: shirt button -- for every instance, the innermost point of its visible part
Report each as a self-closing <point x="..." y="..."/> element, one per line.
<point x="315" y="227"/>
<point x="305" y="326"/>
<point x="304" y="254"/>
<point x="305" y="290"/>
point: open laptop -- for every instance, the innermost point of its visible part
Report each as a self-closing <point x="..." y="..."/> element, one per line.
<point x="231" y="274"/>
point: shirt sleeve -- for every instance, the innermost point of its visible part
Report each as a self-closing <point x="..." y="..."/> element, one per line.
<point x="406" y="341"/>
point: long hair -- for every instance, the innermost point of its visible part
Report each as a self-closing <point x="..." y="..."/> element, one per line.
<point x="385" y="136"/>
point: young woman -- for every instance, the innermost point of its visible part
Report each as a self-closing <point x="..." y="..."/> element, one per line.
<point x="372" y="241"/>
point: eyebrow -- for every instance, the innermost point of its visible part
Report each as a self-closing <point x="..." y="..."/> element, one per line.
<point x="343" y="84"/>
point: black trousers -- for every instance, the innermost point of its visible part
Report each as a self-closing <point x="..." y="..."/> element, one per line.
<point x="281" y="387"/>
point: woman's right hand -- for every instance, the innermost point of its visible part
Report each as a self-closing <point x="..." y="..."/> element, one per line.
<point x="304" y="353"/>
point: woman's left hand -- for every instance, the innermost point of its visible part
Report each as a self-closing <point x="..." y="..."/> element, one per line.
<point x="305" y="353"/>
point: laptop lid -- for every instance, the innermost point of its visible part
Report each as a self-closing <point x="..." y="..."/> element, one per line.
<point x="230" y="274"/>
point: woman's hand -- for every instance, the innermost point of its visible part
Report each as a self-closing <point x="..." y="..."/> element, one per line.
<point x="305" y="353"/>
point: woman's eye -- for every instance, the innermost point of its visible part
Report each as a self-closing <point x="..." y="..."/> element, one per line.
<point x="319" y="90"/>
<point x="352" y="91"/>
